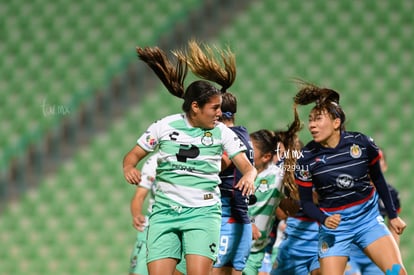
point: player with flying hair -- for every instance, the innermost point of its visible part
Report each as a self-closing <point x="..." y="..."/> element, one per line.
<point x="186" y="214"/>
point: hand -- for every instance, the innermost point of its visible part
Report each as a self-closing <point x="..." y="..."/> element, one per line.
<point x="398" y="225"/>
<point x="138" y="222"/>
<point x="246" y="186"/>
<point x="132" y="175"/>
<point x="333" y="221"/>
<point x="255" y="232"/>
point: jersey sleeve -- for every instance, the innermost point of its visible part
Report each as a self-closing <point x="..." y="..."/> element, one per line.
<point x="150" y="139"/>
<point x="372" y="150"/>
<point x="382" y="188"/>
<point x="232" y="144"/>
<point x="303" y="179"/>
<point x="377" y="177"/>
<point x="395" y="198"/>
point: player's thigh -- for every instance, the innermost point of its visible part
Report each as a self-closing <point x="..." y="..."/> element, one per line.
<point x="163" y="242"/>
<point x="333" y="265"/>
<point x="162" y="266"/>
<point x="200" y="236"/>
<point x="384" y="252"/>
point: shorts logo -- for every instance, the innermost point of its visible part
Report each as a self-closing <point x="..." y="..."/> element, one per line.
<point x="134" y="261"/>
<point x="344" y="181"/>
<point x="380" y="219"/>
<point x="324" y="247"/>
<point x="207" y="139"/>
<point x="325" y="242"/>
<point x="355" y="151"/>
<point x="212" y="247"/>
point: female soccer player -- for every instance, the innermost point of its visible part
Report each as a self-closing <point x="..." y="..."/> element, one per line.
<point x="236" y="229"/>
<point x="145" y="192"/>
<point x="146" y="188"/>
<point x="339" y="165"/>
<point x="358" y="262"/>
<point x="186" y="215"/>
<point x="298" y="250"/>
<point x="268" y="185"/>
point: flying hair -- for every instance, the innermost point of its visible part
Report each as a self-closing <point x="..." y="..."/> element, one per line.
<point x="310" y="93"/>
<point x="289" y="139"/>
<point x="171" y="76"/>
<point x="203" y="62"/>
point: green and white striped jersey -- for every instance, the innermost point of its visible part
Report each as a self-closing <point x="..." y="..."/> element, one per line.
<point x="189" y="160"/>
<point x="268" y="185"/>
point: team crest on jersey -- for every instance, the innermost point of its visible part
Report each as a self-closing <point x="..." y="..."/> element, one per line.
<point x="344" y="181"/>
<point x="304" y="174"/>
<point x="207" y="139"/>
<point x="355" y="151"/>
<point x="150" y="140"/>
<point x="264" y="186"/>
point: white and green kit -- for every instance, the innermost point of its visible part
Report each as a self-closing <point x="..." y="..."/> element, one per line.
<point x="187" y="182"/>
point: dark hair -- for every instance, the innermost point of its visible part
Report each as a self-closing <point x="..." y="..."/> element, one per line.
<point x="325" y="100"/>
<point x="267" y="140"/>
<point x="228" y="106"/>
<point x="199" y="91"/>
<point x="173" y="78"/>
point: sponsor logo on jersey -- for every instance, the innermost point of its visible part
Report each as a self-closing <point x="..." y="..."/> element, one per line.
<point x="207" y="139"/>
<point x="208" y="196"/>
<point x="344" y="181"/>
<point x="355" y="151"/>
<point x="174" y="135"/>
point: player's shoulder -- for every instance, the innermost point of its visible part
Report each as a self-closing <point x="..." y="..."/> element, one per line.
<point x="273" y="169"/>
<point x="308" y="151"/>
<point x="169" y="118"/>
<point x="239" y="129"/>
<point x="241" y="132"/>
<point x="222" y="130"/>
<point x="356" y="137"/>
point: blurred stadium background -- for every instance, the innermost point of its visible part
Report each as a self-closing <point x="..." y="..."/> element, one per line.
<point x="74" y="98"/>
